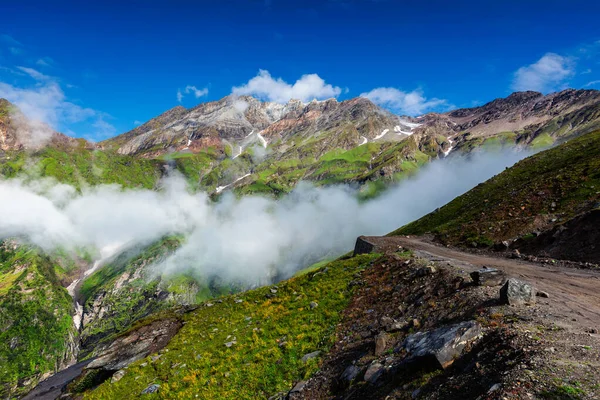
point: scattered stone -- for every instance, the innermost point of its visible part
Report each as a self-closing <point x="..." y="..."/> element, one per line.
<point x="238" y="301"/>
<point x="515" y="292"/>
<point x="440" y="347"/>
<point x="153" y="388"/>
<point x="313" y="305"/>
<point x="386" y="322"/>
<point x="416" y="324"/>
<point x="502" y="246"/>
<point x="231" y="343"/>
<point x="380" y="343"/>
<point x="273" y="290"/>
<point x="428" y="270"/>
<point x="209" y="304"/>
<point x="350" y="373"/>
<point x="516" y="254"/>
<point x="540" y="293"/>
<point x="494" y="388"/>
<point x="117" y="376"/>
<point x="296" y="390"/>
<point x="310" y="356"/>
<point x="156" y="357"/>
<point x="592" y="330"/>
<point x="488" y="277"/>
<point x="373" y="372"/>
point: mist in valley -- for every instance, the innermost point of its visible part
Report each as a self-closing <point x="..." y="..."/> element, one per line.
<point x="250" y="239"/>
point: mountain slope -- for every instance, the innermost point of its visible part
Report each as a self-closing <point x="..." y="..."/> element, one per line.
<point x="268" y="147"/>
<point x="539" y="193"/>
<point x="37" y="337"/>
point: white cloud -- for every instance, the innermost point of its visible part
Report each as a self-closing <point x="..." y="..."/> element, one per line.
<point x="411" y="103"/>
<point x="46" y="103"/>
<point x="45" y="62"/>
<point x="197" y="92"/>
<point x="10" y="40"/>
<point x="248" y="239"/>
<point x="549" y="73"/>
<point x="191" y="89"/>
<point x="307" y="88"/>
<point x="137" y="122"/>
<point x="38" y="76"/>
<point x="592" y="83"/>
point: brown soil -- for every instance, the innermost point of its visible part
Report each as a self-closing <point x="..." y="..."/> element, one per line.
<point x="550" y="350"/>
<point x="575" y="293"/>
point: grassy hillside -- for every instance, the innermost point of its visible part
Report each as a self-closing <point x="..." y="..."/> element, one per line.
<point x="548" y="188"/>
<point x="37" y="333"/>
<point x="126" y="290"/>
<point x="272" y="329"/>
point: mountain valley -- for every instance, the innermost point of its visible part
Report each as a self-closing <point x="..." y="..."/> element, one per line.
<point x="284" y="314"/>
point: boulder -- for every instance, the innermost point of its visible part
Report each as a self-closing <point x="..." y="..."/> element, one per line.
<point x="488" y="277"/>
<point x="153" y="388"/>
<point x="350" y="373"/>
<point x="428" y="270"/>
<point x="516" y="292"/>
<point x="380" y="343"/>
<point x="440" y="347"/>
<point x="296" y="392"/>
<point x="373" y="373"/>
<point x="117" y="376"/>
<point x="310" y="356"/>
<point x="540" y="293"/>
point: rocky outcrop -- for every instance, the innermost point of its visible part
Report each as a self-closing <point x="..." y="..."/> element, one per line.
<point x="488" y="277"/>
<point x="17" y="132"/>
<point x="439" y="348"/>
<point x="135" y="345"/>
<point x="516" y="292"/>
<point x="577" y="239"/>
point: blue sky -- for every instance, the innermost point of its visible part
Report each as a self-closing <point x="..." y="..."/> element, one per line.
<point x="96" y="69"/>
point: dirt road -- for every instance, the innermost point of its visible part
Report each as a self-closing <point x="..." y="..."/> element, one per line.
<point x="574" y="294"/>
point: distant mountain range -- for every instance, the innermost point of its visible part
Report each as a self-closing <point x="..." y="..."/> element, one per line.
<point x="251" y="146"/>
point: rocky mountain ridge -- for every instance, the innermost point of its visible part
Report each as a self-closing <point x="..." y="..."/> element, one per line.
<point x="231" y="119"/>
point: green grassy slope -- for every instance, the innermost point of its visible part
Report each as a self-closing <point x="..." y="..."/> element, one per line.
<point x="273" y="328"/>
<point x="549" y="187"/>
<point x="126" y="290"/>
<point x="35" y="318"/>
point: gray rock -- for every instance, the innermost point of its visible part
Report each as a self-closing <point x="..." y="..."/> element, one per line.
<point x="373" y="373"/>
<point x="516" y="292"/>
<point x="363" y="246"/>
<point x="488" y="277"/>
<point x="428" y="270"/>
<point x="313" y="305"/>
<point x="540" y="293"/>
<point x="296" y="391"/>
<point x="440" y="347"/>
<point x="117" y="376"/>
<point x="380" y="343"/>
<point x="153" y="388"/>
<point x="310" y="356"/>
<point x="350" y="373"/>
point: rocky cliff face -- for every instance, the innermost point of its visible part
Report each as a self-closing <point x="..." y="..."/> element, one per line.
<point x="17" y="132"/>
<point x="528" y="114"/>
<point x="232" y="119"/>
<point x="228" y="121"/>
